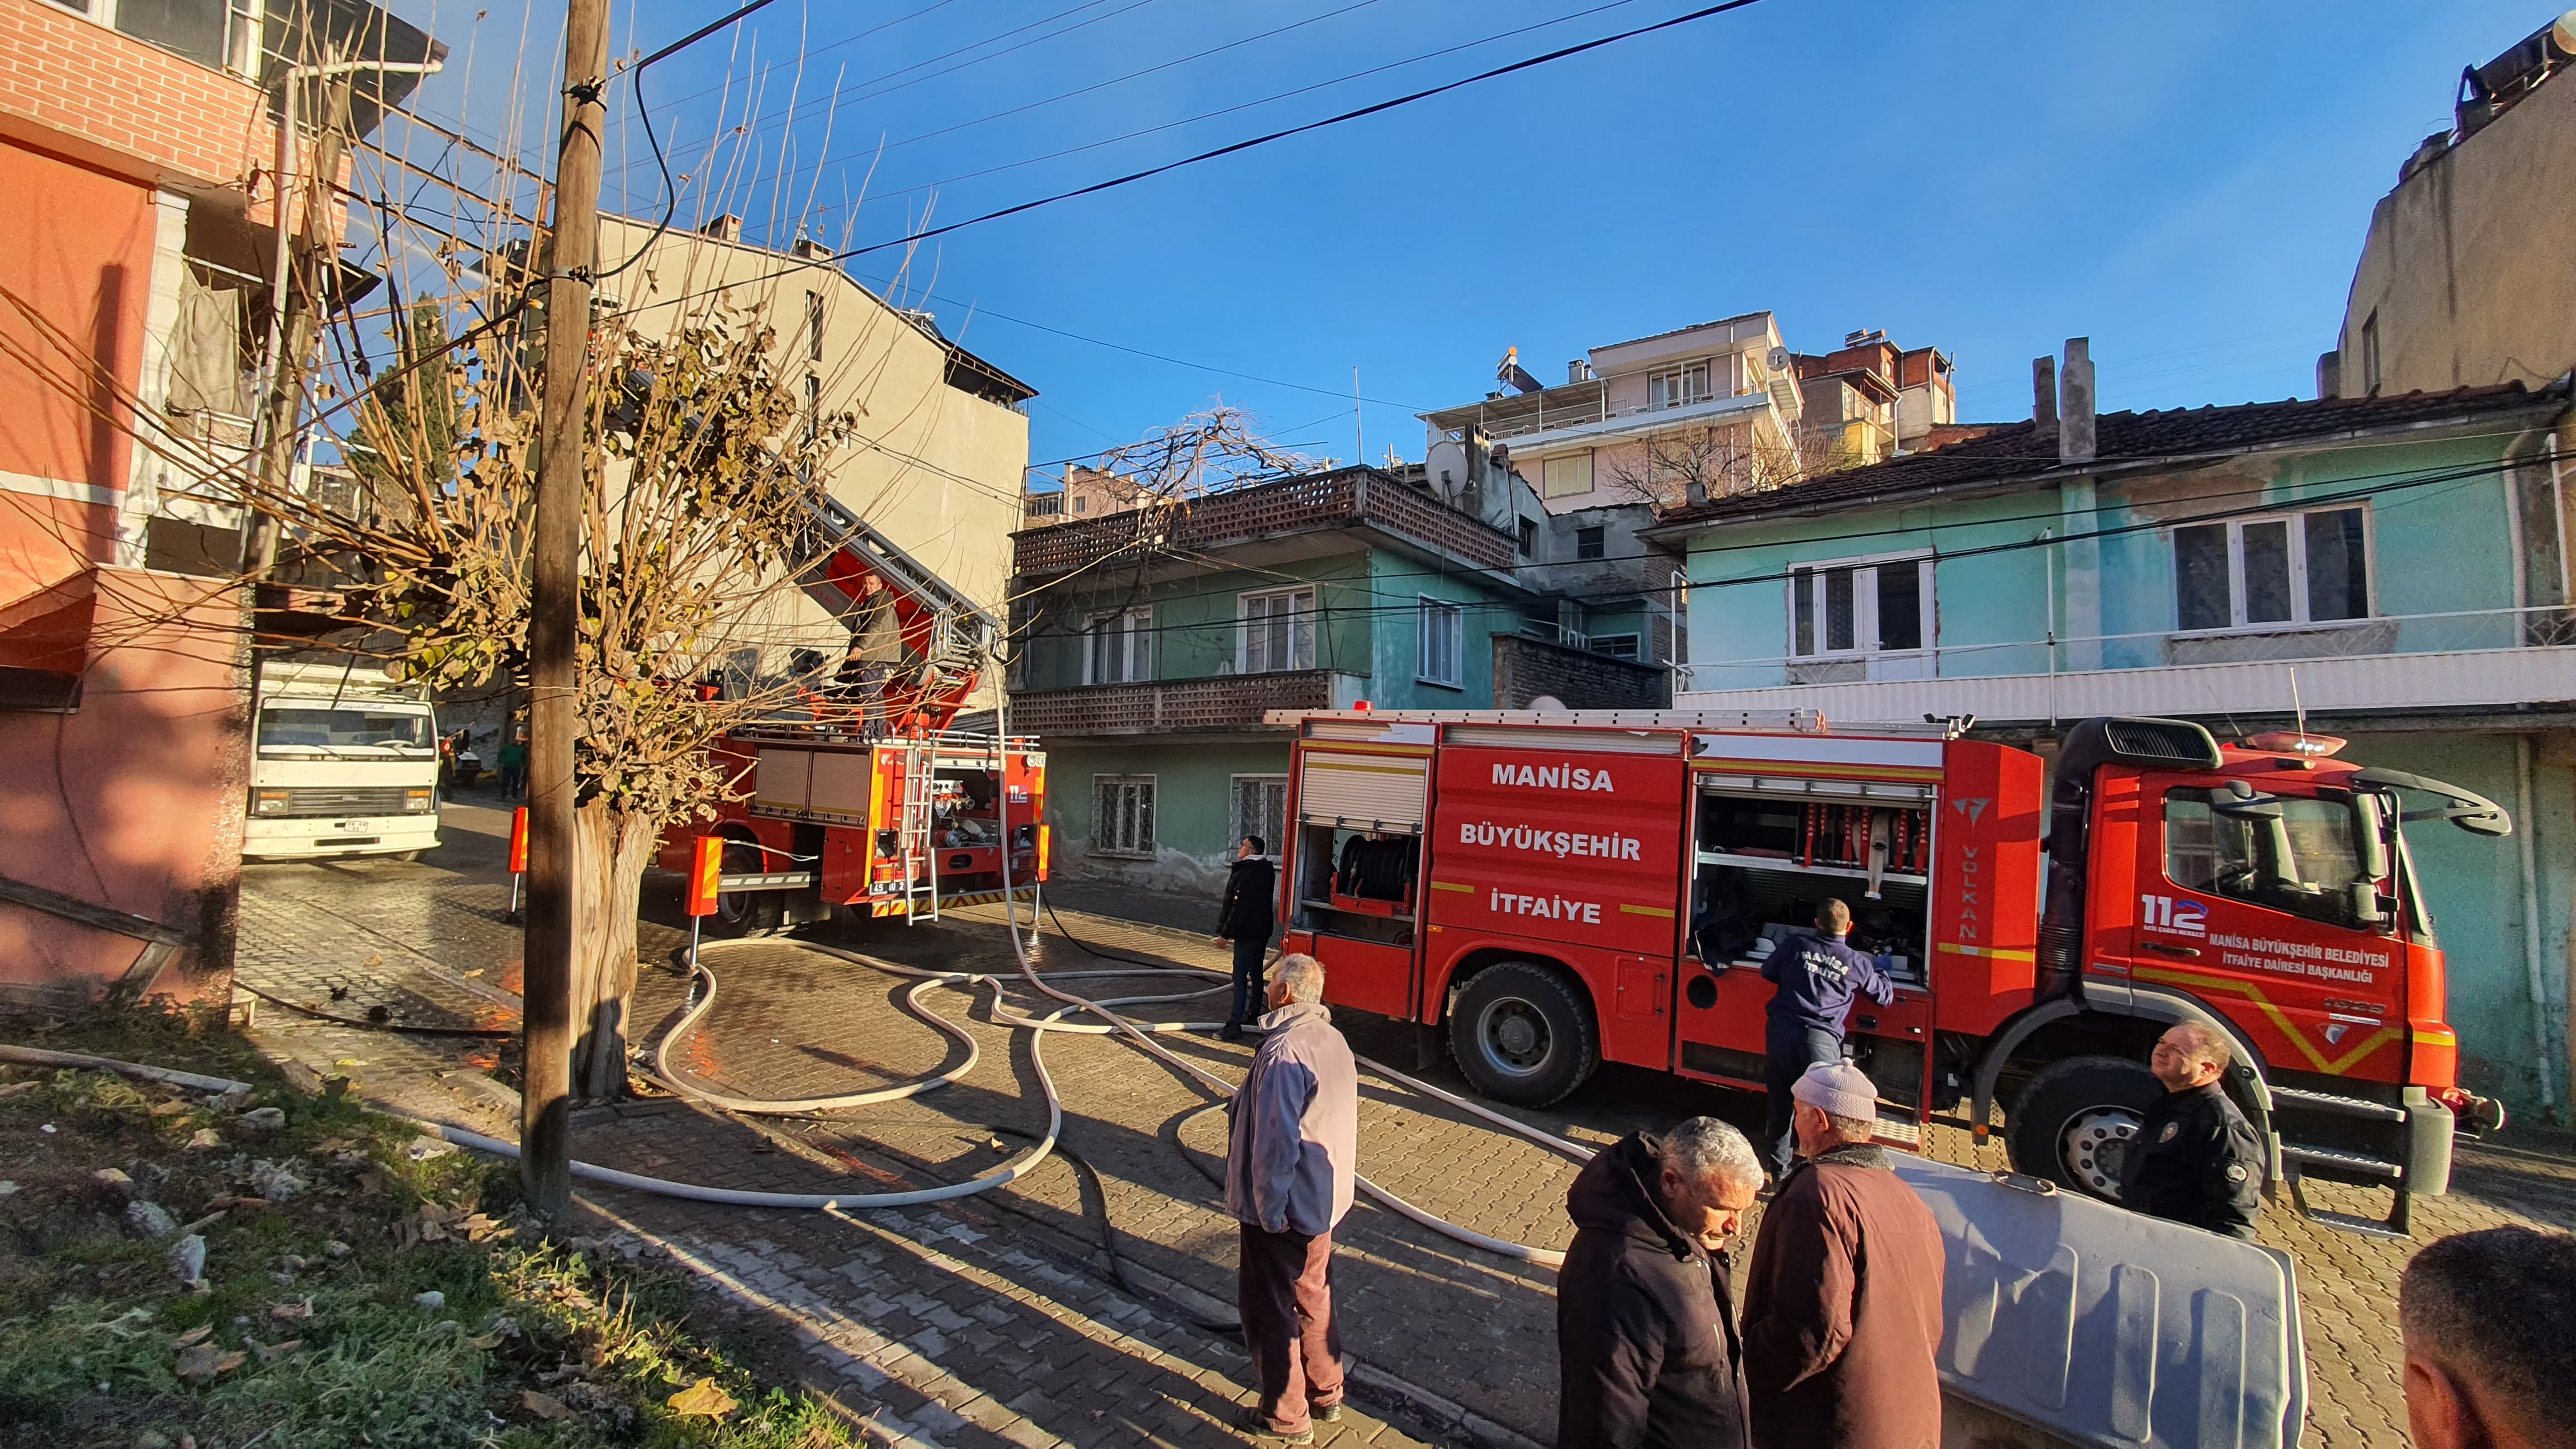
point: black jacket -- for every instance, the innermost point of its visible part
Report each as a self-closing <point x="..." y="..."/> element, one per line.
<point x="1246" y="914"/>
<point x="1646" y="1345"/>
<point x="2196" y="1160"/>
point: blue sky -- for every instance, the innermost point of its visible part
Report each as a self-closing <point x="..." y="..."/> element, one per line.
<point x="2187" y="183"/>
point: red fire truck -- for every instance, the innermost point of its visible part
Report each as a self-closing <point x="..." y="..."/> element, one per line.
<point x="864" y="799"/>
<point x="1603" y="887"/>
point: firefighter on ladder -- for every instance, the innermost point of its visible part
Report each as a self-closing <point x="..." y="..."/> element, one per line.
<point x="876" y="651"/>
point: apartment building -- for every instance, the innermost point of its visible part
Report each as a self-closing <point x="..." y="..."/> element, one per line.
<point x="1156" y="639"/>
<point x="139" y="139"/>
<point x="1871" y="399"/>
<point x="2393" y="570"/>
<point x="943" y="432"/>
<point x="1692" y="413"/>
<point x="2462" y="280"/>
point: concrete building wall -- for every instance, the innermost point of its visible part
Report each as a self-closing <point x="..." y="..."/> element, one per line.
<point x="2501" y="943"/>
<point x="133" y="800"/>
<point x="937" y="468"/>
<point x="2446" y="549"/>
<point x="1196" y="620"/>
<point x="1194" y="782"/>
<point x="2463" y="276"/>
<point x="83" y="260"/>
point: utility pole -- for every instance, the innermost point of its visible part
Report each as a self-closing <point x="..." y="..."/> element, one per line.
<point x="554" y="605"/>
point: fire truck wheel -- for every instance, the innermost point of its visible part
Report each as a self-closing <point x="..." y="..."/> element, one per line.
<point x="2073" y="1122"/>
<point x="1522" y="1034"/>
<point x="746" y="913"/>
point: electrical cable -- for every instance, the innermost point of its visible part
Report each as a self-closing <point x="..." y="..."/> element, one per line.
<point x="1357" y="113"/>
<point x="2269" y="504"/>
<point x="644" y="113"/>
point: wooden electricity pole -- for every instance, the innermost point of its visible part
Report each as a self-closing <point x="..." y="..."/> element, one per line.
<point x="554" y="608"/>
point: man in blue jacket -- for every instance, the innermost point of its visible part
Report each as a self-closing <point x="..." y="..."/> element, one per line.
<point x="1818" y="976"/>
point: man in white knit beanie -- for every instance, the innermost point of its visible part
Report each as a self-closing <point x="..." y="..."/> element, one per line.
<point x="1842" y="1305"/>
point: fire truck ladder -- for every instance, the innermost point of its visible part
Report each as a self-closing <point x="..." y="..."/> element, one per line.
<point x="915" y="831"/>
<point x="947" y="637"/>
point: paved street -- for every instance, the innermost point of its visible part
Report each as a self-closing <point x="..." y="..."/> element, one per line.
<point x="995" y="1320"/>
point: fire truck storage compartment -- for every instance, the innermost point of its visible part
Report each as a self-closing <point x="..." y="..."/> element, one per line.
<point x="1766" y="859"/>
<point x="1359" y="844"/>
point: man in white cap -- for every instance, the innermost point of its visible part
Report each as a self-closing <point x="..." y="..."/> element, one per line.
<point x="1842" y="1306"/>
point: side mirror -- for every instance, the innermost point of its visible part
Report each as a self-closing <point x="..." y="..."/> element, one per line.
<point x="2369" y="907"/>
<point x="2241" y="802"/>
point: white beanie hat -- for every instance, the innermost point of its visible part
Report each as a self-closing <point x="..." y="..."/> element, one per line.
<point x="1838" y="1089"/>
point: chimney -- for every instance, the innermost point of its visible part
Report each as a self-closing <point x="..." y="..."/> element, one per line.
<point x="808" y="249"/>
<point x="2043" y="398"/>
<point x="724" y="228"/>
<point x="1578" y="370"/>
<point x="2330" y="374"/>
<point x="2075" y="409"/>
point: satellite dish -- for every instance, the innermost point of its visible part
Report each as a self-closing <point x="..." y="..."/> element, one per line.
<point x="1777" y="360"/>
<point x="1546" y="704"/>
<point x="2563" y="30"/>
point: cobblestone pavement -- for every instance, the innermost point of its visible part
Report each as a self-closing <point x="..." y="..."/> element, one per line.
<point x="993" y="1319"/>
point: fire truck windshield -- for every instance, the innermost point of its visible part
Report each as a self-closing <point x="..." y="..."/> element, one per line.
<point x="2305" y="860"/>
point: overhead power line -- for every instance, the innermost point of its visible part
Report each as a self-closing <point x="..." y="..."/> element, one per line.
<point x="1377" y="108"/>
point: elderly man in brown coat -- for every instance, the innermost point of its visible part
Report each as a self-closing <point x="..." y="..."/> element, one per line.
<point x="1842" y="1307"/>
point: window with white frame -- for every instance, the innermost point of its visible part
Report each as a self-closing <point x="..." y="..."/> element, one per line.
<point x="1443" y="638"/>
<point x="1679" y="386"/>
<point x="1875" y="606"/>
<point x="1617" y="646"/>
<point x="219" y="36"/>
<point x="2289" y="569"/>
<point x="1261" y="808"/>
<point x="1569" y="475"/>
<point x="1276" y="631"/>
<point x="1122" y="815"/>
<point x="1118" y="648"/>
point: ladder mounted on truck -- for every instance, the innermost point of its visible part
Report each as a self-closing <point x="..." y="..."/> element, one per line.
<point x="932" y="646"/>
<point x="941" y="641"/>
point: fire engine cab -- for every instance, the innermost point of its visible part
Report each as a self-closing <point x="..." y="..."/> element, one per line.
<point x="864" y="799"/>
<point x="1558" y="891"/>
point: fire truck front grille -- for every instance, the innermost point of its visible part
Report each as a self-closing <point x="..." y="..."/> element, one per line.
<point x="308" y="800"/>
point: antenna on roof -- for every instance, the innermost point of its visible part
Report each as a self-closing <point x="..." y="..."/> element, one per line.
<point x="2298" y="711"/>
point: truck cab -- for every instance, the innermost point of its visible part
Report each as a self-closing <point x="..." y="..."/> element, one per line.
<point x="346" y="765"/>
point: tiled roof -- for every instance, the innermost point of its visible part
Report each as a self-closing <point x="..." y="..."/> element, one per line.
<point x="2014" y="451"/>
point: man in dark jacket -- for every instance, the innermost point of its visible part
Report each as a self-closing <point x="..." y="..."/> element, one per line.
<point x="1842" y="1306"/>
<point x="1646" y="1347"/>
<point x="1245" y="918"/>
<point x="1818" y="976"/>
<point x="2195" y="1159"/>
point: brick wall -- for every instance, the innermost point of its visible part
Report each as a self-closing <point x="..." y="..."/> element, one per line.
<point x="114" y="101"/>
<point x="1524" y="669"/>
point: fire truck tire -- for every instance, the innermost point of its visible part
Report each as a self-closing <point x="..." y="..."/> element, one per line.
<point x="1523" y="1034"/>
<point x="2073" y="1123"/>
<point x="746" y="913"/>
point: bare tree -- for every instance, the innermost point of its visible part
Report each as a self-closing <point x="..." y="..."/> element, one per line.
<point x="1692" y="465"/>
<point x="1206" y="452"/>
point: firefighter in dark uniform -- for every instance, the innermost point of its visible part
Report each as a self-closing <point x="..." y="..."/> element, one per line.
<point x="2195" y="1159"/>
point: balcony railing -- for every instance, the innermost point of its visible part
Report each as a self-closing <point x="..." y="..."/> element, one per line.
<point x="1235" y="701"/>
<point x="2404" y="661"/>
<point x="1340" y="499"/>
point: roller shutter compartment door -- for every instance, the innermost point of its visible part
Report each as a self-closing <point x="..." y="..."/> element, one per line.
<point x="1382" y="793"/>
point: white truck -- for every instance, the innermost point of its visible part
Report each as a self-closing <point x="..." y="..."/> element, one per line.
<point x="347" y="765"/>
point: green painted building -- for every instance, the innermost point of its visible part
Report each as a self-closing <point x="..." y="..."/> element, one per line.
<point x="2395" y="569"/>
<point x="1153" y="643"/>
